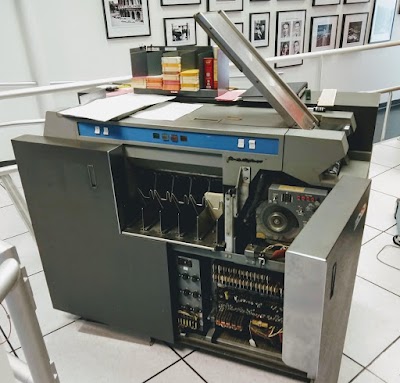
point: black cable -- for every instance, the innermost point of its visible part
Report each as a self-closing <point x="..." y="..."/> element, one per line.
<point x="8" y="341"/>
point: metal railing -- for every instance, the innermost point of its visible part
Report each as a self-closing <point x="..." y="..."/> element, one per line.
<point x="63" y="86"/>
<point x="15" y="195"/>
<point x="390" y="92"/>
<point x="15" y="290"/>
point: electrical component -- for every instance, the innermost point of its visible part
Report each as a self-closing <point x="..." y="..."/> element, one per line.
<point x="287" y="211"/>
<point x="249" y="304"/>
<point x="192" y="294"/>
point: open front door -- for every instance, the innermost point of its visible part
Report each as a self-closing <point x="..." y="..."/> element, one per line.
<point x="320" y="271"/>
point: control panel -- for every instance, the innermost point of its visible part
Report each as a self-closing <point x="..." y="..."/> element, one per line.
<point x="192" y="296"/>
<point x="260" y="145"/>
<point x="286" y="211"/>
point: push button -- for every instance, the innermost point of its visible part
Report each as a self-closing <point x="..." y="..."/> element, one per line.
<point x="240" y="143"/>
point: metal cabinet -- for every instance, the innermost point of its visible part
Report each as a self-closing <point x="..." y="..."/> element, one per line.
<point x="92" y="270"/>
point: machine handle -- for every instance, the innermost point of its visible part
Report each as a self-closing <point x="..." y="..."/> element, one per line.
<point x="92" y="176"/>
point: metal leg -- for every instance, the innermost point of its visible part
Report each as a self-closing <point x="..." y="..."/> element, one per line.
<point x="18" y="201"/>
<point x="388" y="106"/>
<point x="20" y="369"/>
<point x="16" y="290"/>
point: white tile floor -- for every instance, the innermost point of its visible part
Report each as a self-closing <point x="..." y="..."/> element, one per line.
<point x="372" y="349"/>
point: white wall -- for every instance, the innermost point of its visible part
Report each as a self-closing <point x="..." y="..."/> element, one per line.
<point x="75" y="47"/>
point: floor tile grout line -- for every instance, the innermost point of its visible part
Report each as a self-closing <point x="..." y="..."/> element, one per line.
<point x="352" y="380"/>
<point x="158" y="373"/>
<point x="187" y="363"/>
<point x="51" y="332"/>
<point x="383" y="288"/>
<point x="383" y="380"/>
<point x="353" y="360"/>
<point x="13" y="236"/>
<point x="33" y="274"/>
<point x="373" y="237"/>
<point x="382" y="231"/>
<point x="190" y="353"/>
<point x="11" y="204"/>
<point x="380" y="354"/>
<point x="60" y="328"/>
<point x="378" y="191"/>
<point x="183" y="360"/>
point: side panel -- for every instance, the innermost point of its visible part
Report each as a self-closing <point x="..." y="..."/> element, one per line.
<point x="91" y="269"/>
<point x="320" y="271"/>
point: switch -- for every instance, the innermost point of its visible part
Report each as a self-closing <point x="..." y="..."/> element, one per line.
<point x="240" y="143"/>
<point x="105" y="131"/>
<point x="97" y="130"/>
<point x="252" y="144"/>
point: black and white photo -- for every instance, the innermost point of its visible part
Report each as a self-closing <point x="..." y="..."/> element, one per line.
<point x="290" y="30"/>
<point x="354" y="29"/>
<point x="259" y="29"/>
<point x="323" y="33"/>
<point x="326" y="2"/>
<point x="126" y="18"/>
<point x="180" y="31"/>
<point x="179" y="2"/>
<point x="382" y="21"/>
<point x="225" y="5"/>
<point x="355" y="1"/>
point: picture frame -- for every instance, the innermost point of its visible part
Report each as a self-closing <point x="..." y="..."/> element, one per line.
<point x="259" y="29"/>
<point x="240" y="27"/>
<point x="355" y="1"/>
<point x="323" y="33"/>
<point x="224" y="5"/>
<point x="317" y="3"/>
<point x="129" y="21"/>
<point x="166" y="3"/>
<point x="180" y="31"/>
<point x="382" y="21"/>
<point x="290" y="34"/>
<point x="354" y="29"/>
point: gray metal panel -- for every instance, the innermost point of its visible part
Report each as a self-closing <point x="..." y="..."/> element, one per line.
<point x="320" y="270"/>
<point x="308" y="154"/>
<point x="57" y="125"/>
<point x="91" y="269"/>
<point x="218" y="26"/>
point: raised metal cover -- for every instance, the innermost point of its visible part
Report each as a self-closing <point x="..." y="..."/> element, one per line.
<point x="218" y="26"/>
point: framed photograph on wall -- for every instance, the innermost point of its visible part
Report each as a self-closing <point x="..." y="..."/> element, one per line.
<point x="225" y="5"/>
<point x="382" y="21"/>
<point x="325" y="2"/>
<point x="179" y="2"/>
<point x="240" y="27"/>
<point x="323" y="33"/>
<point x="259" y="29"/>
<point x="355" y="1"/>
<point x="290" y="28"/>
<point x="126" y="20"/>
<point x="353" y="29"/>
<point x="180" y="31"/>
